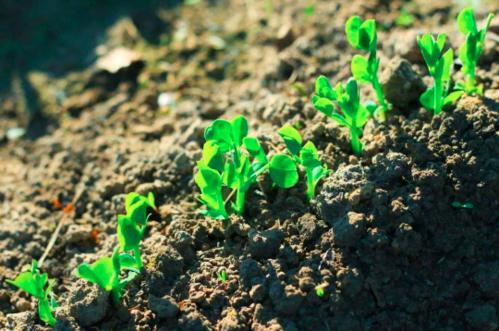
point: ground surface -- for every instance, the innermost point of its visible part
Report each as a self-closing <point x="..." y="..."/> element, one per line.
<point x="382" y="237"/>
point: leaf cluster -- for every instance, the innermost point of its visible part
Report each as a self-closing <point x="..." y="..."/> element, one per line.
<point x="471" y="49"/>
<point x="306" y="156"/>
<point x="234" y="161"/>
<point x="106" y="271"/>
<point x="362" y="35"/>
<point x="39" y="286"/>
<point x="353" y="114"/>
<point x="440" y="68"/>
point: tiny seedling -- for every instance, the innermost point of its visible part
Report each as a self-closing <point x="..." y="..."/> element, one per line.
<point x="440" y="69"/>
<point x="39" y="286"/>
<point x="233" y="160"/>
<point x="306" y="156"/>
<point x="319" y="291"/>
<point x="353" y="115"/>
<point x="132" y="226"/>
<point x="405" y="18"/>
<point x="363" y="36"/>
<point x="309" y="10"/>
<point x="105" y="272"/>
<point x="222" y="276"/>
<point x="465" y="205"/>
<point x="471" y="49"/>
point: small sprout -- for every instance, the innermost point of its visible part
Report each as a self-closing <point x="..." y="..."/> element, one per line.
<point x="363" y="36"/>
<point x="470" y="51"/>
<point x="222" y="276"/>
<point x="466" y="205"/>
<point x="353" y="115"/>
<point x="306" y="156"/>
<point x="233" y="160"/>
<point x="405" y="19"/>
<point x="105" y="272"/>
<point x="132" y="226"/>
<point x="319" y="291"/>
<point x="309" y="10"/>
<point x="39" y="286"/>
<point x="440" y="68"/>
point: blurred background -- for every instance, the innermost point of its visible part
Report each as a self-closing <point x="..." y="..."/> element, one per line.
<point x="58" y="57"/>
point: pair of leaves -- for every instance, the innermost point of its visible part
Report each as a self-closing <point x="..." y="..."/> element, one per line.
<point x="134" y="200"/>
<point x="305" y="155"/>
<point x="431" y="49"/>
<point x="361" y="35"/>
<point x="427" y="99"/>
<point x="39" y="286"/>
<point x="105" y="272"/>
<point x="227" y="134"/>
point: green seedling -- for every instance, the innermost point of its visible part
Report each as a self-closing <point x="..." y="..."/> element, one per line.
<point x="440" y="69"/>
<point x="405" y="19"/>
<point x="222" y="276"/>
<point x="132" y="226"/>
<point x="233" y="160"/>
<point x="363" y="36"/>
<point x="306" y="156"/>
<point x="470" y="51"/>
<point x="309" y="10"/>
<point x="105" y="272"/>
<point x="39" y="286"/>
<point x="319" y="291"/>
<point x="353" y="115"/>
<point x="465" y="205"/>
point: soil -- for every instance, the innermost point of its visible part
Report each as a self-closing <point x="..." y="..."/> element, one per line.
<point x="383" y="237"/>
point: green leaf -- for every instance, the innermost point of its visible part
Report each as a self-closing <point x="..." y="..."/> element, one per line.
<point x="323" y="88"/>
<point x="129" y="234"/>
<point x="452" y="97"/>
<point x="309" y="155"/>
<point x="127" y="262"/>
<point x="221" y="132"/>
<point x="100" y="273"/>
<point x="367" y="36"/>
<point x="425" y="44"/>
<point x="229" y="176"/>
<point x="447" y="62"/>
<point x="362" y="116"/>
<point x="440" y="44"/>
<point x="239" y="129"/>
<point x="483" y="32"/>
<point x="292" y="139"/>
<point x="283" y="171"/>
<point x="45" y="312"/>
<point x="427" y="99"/>
<point x="27" y="282"/>
<point x="466" y="21"/>
<point x="213" y="156"/>
<point x="352" y="90"/>
<point x="256" y="151"/>
<point x="359" y="68"/>
<point x="207" y="179"/>
<point x="323" y="105"/>
<point x="352" y="31"/>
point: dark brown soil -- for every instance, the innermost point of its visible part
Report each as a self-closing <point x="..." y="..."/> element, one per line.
<point x="383" y="237"/>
